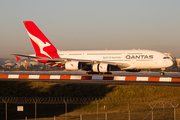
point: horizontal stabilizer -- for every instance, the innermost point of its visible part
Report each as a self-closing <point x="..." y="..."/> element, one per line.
<point x="17" y="58"/>
<point x="22" y="55"/>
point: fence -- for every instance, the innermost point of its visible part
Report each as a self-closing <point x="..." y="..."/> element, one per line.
<point x="64" y="108"/>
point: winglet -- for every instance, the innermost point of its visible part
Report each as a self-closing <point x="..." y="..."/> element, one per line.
<point x="17" y="58"/>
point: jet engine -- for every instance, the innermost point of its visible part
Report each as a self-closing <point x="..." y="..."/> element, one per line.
<point x="73" y="65"/>
<point x="102" y="67"/>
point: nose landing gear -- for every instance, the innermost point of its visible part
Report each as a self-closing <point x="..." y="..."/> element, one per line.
<point x="162" y="71"/>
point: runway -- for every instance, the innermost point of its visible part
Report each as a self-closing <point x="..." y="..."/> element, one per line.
<point x="143" y="79"/>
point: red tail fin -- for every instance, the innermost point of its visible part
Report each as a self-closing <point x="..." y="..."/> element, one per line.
<point x="41" y="44"/>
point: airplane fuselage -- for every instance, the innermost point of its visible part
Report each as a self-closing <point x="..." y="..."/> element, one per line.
<point x="137" y="59"/>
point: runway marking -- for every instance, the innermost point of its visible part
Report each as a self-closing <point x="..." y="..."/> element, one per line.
<point x="13" y="76"/>
<point x="67" y="77"/>
<point x="153" y="79"/>
<point x="97" y="78"/>
<point x="130" y="78"/>
<point x="23" y="76"/>
<point x="108" y="78"/>
<point x="142" y="78"/>
<point x="44" y="76"/>
<point x="165" y="79"/>
<point x="175" y="80"/>
<point x="119" y="78"/>
<point x="54" y="76"/>
<point x="87" y="77"/>
<point x="33" y="76"/>
<point x="73" y="77"/>
<point x="4" y="76"/>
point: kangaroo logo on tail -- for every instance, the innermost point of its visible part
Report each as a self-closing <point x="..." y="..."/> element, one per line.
<point x="42" y="46"/>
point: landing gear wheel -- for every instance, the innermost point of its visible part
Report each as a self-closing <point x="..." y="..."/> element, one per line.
<point x="108" y="73"/>
<point x="162" y="73"/>
<point x="89" y="73"/>
<point x="98" y="73"/>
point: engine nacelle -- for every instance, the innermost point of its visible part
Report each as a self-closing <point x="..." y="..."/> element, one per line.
<point x="134" y="70"/>
<point x="102" y="67"/>
<point x="72" y="65"/>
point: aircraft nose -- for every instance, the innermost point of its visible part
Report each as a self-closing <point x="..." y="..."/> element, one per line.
<point x="170" y="63"/>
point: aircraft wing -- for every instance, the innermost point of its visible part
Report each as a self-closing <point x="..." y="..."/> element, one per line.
<point x="89" y="62"/>
<point x="57" y="61"/>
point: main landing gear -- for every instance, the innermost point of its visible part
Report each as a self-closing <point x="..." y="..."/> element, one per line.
<point x="98" y="73"/>
<point x="162" y="71"/>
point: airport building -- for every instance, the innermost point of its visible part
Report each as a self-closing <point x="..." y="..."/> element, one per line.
<point x="15" y="64"/>
<point x="178" y="62"/>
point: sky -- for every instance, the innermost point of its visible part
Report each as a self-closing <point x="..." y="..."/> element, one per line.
<point x="92" y="25"/>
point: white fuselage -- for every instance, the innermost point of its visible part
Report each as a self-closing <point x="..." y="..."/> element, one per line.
<point x="137" y="59"/>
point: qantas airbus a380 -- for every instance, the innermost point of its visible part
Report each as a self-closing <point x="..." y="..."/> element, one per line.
<point x="93" y="61"/>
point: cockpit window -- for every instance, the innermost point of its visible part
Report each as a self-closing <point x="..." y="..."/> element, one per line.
<point x="166" y="58"/>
